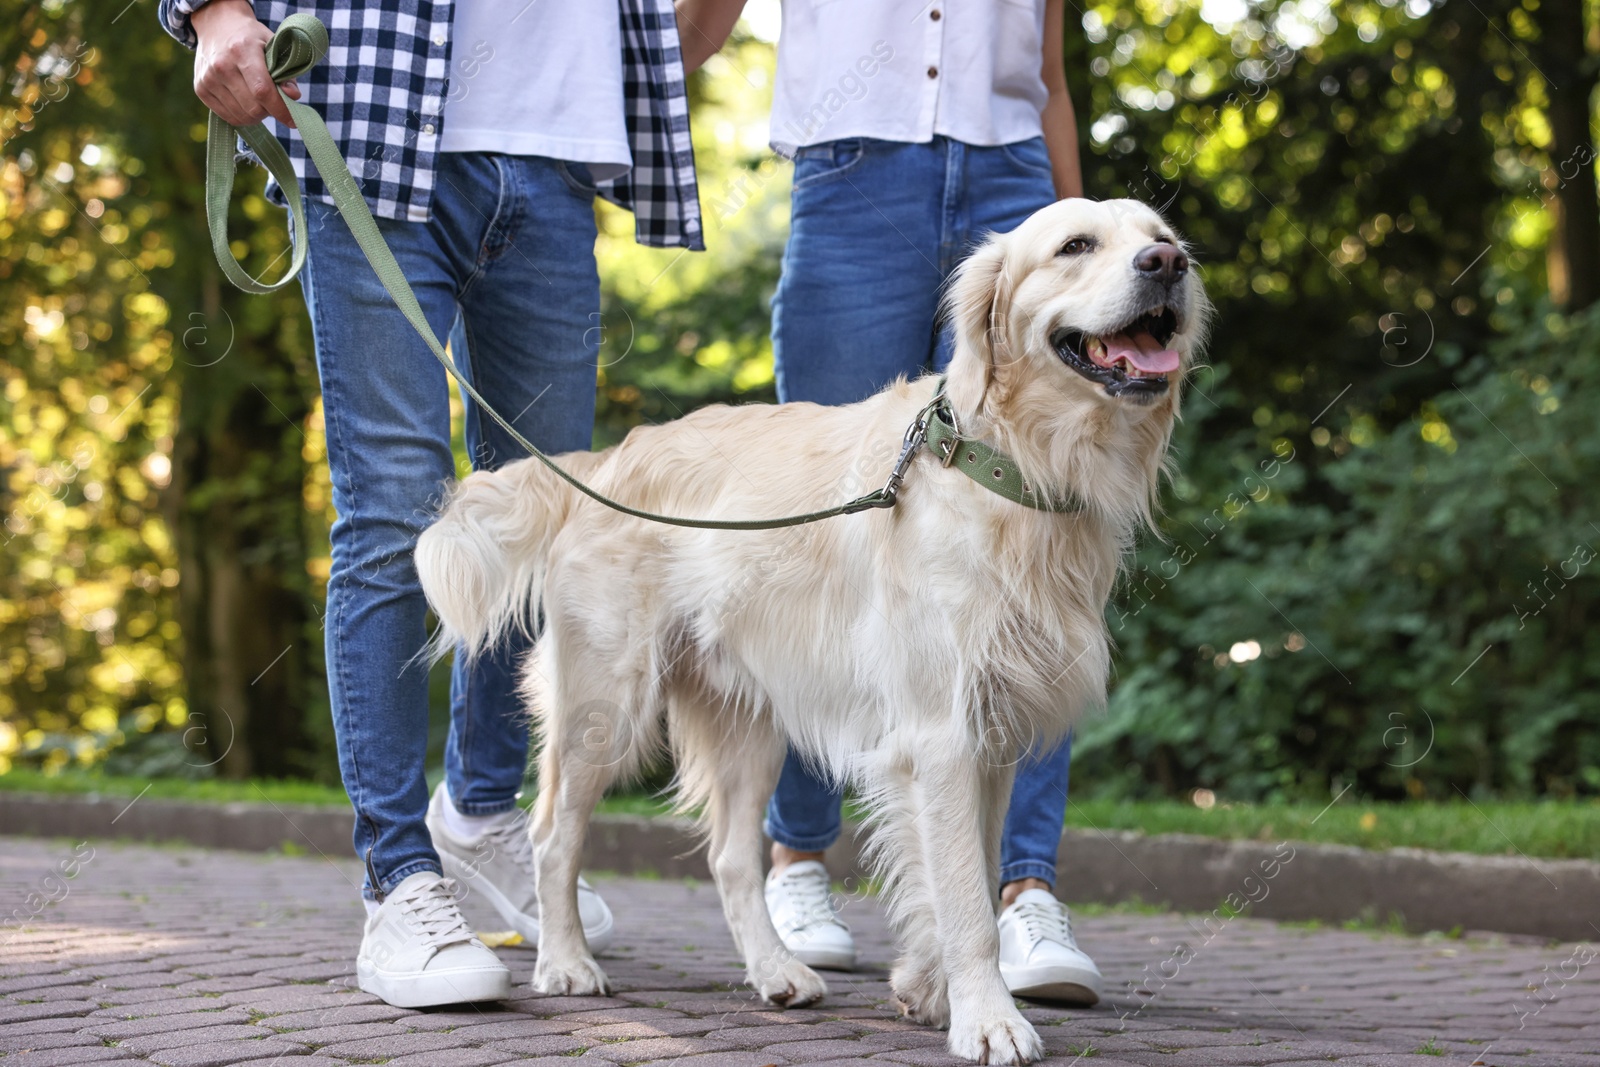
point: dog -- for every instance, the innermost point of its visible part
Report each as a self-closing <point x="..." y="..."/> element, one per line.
<point x="918" y="652"/>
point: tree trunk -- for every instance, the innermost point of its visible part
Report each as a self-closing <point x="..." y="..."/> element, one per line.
<point x="239" y="476"/>
<point x="1570" y="78"/>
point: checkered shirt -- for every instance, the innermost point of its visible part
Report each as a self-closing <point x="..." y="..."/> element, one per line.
<point x="382" y="91"/>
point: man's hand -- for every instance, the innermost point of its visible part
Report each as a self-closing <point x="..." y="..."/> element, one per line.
<point x="230" y="65"/>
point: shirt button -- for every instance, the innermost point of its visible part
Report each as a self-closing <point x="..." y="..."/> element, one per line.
<point x="933" y="72"/>
<point x="935" y="15"/>
<point x="439" y="40"/>
<point x="428" y="128"/>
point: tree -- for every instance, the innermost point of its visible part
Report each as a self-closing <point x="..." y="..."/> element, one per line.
<point x="199" y="481"/>
<point x="1569" y="65"/>
<point x="251" y="659"/>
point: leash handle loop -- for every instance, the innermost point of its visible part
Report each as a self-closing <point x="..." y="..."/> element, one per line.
<point x="299" y="44"/>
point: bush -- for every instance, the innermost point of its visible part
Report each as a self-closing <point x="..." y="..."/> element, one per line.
<point x="1409" y="617"/>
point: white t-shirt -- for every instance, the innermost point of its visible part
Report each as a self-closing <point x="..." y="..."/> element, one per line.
<point x="538" y="78"/>
<point x="908" y="70"/>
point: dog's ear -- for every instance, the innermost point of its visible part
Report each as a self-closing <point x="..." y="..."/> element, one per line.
<point x="978" y="306"/>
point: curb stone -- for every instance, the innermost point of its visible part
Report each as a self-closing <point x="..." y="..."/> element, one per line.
<point x="1420" y="889"/>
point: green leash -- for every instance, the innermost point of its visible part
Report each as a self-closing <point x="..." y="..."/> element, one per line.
<point x="298" y="45"/>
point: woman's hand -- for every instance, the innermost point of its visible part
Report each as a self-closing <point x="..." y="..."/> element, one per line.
<point x="703" y="28"/>
<point x="230" y="65"/>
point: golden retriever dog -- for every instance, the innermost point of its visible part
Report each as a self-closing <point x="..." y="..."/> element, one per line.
<point x="916" y="652"/>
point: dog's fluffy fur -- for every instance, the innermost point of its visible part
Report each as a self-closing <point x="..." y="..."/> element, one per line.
<point x="917" y="652"/>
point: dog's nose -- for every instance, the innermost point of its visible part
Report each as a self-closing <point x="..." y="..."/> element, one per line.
<point x="1162" y="263"/>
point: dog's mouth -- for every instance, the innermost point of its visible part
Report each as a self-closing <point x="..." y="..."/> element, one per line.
<point x="1133" y="360"/>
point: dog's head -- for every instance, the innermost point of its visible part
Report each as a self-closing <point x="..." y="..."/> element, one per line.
<point x="1091" y="299"/>
<point x="1077" y="325"/>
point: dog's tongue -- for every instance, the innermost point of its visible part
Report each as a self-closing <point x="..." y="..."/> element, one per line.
<point x="1142" y="350"/>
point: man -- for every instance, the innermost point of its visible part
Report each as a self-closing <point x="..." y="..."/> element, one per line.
<point x="481" y="173"/>
<point x="916" y="127"/>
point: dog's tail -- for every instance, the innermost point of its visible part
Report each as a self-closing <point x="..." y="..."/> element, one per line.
<point x="482" y="563"/>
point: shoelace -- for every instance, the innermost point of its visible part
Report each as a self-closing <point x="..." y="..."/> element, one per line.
<point x="510" y="838"/>
<point x="431" y="910"/>
<point x="1044" y="922"/>
<point x="809" y="900"/>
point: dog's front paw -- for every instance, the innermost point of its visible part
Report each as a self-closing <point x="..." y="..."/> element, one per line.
<point x="576" y="977"/>
<point x="786" y="982"/>
<point x="996" y="1037"/>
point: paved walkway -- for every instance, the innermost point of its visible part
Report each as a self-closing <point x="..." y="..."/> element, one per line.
<point x="199" y="959"/>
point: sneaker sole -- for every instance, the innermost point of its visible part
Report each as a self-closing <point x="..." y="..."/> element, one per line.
<point x="1059" y="985"/>
<point x="434" y="990"/>
<point x="599" y="938"/>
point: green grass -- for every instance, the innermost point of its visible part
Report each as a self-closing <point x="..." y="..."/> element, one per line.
<point x="1548" y="829"/>
<point x="223" y="791"/>
<point x="1369" y="922"/>
<point x="1559" y="829"/>
<point x="212" y="789"/>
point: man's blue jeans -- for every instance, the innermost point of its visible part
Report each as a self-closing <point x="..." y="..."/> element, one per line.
<point x="506" y="268"/>
<point x="876" y="229"/>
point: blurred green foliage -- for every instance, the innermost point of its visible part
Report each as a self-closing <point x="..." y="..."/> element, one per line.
<point x="1368" y="575"/>
<point x="1414" y="622"/>
<point x="686" y="329"/>
<point x="162" y="500"/>
<point x="1378" y="459"/>
<point x="87" y="627"/>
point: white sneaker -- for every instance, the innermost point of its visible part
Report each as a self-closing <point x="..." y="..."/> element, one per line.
<point x="800" y="901"/>
<point x="1039" y="957"/>
<point x="499" y="864"/>
<point x="418" y="952"/>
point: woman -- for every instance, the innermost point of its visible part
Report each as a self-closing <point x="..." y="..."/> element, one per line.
<point x="915" y="129"/>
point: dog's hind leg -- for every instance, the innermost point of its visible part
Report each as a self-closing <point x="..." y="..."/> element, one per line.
<point x="561" y="825"/>
<point x="589" y="741"/>
<point x="728" y="760"/>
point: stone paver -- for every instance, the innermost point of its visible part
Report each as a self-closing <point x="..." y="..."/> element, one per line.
<point x="193" y="959"/>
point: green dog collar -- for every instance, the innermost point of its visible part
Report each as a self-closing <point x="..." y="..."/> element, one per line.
<point x="984" y="464"/>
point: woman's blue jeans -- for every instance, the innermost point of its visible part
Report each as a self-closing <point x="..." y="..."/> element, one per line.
<point x="876" y="229"/>
<point x="506" y="268"/>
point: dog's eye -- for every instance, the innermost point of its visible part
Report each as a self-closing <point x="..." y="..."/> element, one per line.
<point x="1078" y="246"/>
